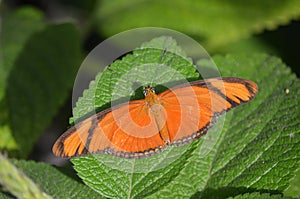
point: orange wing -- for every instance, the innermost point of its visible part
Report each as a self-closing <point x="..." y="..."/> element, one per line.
<point x="130" y="130"/>
<point x="192" y="108"/>
<point x="126" y="131"/>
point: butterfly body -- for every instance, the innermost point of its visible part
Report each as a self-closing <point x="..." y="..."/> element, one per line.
<point x="141" y="128"/>
<point x="156" y="110"/>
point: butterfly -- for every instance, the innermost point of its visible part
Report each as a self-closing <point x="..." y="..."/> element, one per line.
<point x="144" y="127"/>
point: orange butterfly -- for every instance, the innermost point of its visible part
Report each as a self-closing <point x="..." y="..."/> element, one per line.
<point x="144" y="127"/>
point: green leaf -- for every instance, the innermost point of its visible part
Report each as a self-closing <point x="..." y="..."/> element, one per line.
<point x="249" y="45"/>
<point x="40" y="77"/>
<point x="18" y="184"/>
<point x="257" y="148"/>
<point x="257" y="195"/>
<point x="216" y="23"/>
<point x="54" y="182"/>
<point x="5" y="195"/>
<point x="249" y="155"/>
<point x="294" y="188"/>
<point x="7" y="140"/>
<point x="146" y="65"/>
<point x="258" y="154"/>
<point x="16" y="29"/>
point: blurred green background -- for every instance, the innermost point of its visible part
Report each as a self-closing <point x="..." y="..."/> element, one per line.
<point x="222" y="27"/>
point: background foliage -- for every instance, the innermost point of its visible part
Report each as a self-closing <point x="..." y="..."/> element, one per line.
<point x="43" y="43"/>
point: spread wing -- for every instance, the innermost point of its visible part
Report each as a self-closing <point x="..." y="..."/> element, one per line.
<point x="192" y="108"/>
<point x="126" y="131"/>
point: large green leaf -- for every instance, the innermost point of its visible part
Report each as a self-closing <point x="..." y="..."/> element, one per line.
<point x="257" y="149"/>
<point x="49" y="179"/>
<point x="41" y="72"/>
<point x="216" y="22"/>
<point x="16" y="29"/>
<point x="257" y="195"/>
<point x="54" y="182"/>
<point x="255" y="137"/>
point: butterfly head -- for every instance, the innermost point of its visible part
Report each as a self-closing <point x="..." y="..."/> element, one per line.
<point x="148" y="90"/>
